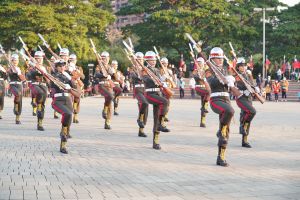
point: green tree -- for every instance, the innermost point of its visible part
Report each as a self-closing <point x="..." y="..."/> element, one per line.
<point x="69" y="22"/>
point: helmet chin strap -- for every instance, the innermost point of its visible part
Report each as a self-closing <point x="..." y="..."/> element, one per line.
<point x="213" y="62"/>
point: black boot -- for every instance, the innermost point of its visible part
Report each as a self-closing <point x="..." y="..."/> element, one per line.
<point x="75" y="119"/>
<point x="221" y="157"/>
<point x="140" y="121"/>
<point x="63" y="140"/>
<point x="141" y="133"/>
<point x="162" y="127"/>
<point x="107" y="125"/>
<point x="156" y="144"/>
<point x="104" y="112"/>
<point x="40" y="125"/>
<point x="18" y="119"/>
<point x="245" y="142"/>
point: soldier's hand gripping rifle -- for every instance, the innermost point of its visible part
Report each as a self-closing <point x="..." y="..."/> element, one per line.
<point x="250" y="87"/>
<point x="166" y="73"/>
<point x="167" y="92"/>
<point x="51" y="64"/>
<point x="135" y="68"/>
<point x="48" y="47"/>
<point x="101" y="65"/>
<point x="11" y="66"/>
<point x="219" y="75"/>
<point x="57" y="82"/>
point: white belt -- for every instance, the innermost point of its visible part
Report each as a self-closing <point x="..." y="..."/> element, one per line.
<point x="219" y="94"/>
<point x="37" y="83"/>
<point x="117" y="83"/>
<point x="1" y="79"/>
<point x="15" y="82"/>
<point x="245" y="92"/>
<point x="102" y="82"/>
<point x="152" y="90"/>
<point x="139" y="85"/>
<point x="61" y="95"/>
<point x="202" y="86"/>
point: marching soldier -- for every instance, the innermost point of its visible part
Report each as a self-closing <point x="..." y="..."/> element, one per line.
<point x="245" y="101"/>
<point x="106" y="89"/>
<point x="154" y="96"/>
<point x="29" y="81"/>
<point x="16" y="79"/>
<point x="39" y="88"/>
<point x="53" y="72"/>
<point x="201" y="90"/>
<point x="138" y="93"/>
<point x="116" y="77"/>
<point x="220" y="102"/>
<point x="77" y="75"/>
<point x="3" y="77"/>
<point x="62" y="101"/>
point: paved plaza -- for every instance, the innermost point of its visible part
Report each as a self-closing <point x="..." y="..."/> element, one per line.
<point x="116" y="164"/>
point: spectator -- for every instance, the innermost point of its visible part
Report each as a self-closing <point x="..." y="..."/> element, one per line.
<point x="279" y="74"/>
<point x="181" y="88"/>
<point x="276" y="89"/>
<point x="268" y="91"/>
<point x="259" y="80"/>
<point x="192" y="84"/>
<point x="284" y="88"/>
<point x="268" y="81"/>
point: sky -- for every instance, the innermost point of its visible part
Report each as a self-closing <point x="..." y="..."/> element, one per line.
<point x="290" y="2"/>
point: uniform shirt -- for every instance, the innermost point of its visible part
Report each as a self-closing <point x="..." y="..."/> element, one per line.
<point x="62" y="78"/>
<point x="149" y="83"/>
<point x="239" y="84"/>
<point x="215" y="84"/>
<point x="135" y="78"/>
<point x="36" y="76"/>
<point x="13" y="76"/>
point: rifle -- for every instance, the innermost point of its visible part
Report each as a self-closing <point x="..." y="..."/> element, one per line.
<point x="21" y="76"/>
<point x="166" y="73"/>
<point x="57" y="82"/>
<point x="51" y="64"/>
<point x="101" y="65"/>
<point x="248" y="85"/>
<point x="134" y="64"/>
<point x="200" y="72"/>
<point x="167" y="92"/>
<point x="48" y="47"/>
<point x="219" y="75"/>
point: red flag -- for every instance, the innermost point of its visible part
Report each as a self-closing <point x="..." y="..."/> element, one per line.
<point x="296" y="64"/>
<point x="268" y="62"/>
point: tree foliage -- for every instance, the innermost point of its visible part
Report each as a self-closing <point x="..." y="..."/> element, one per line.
<point x="69" y="22"/>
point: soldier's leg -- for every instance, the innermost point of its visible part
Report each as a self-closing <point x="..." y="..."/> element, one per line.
<point x="40" y="98"/>
<point x="247" y="115"/>
<point x="226" y="112"/>
<point x="63" y="105"/>
<point x="118" y="91"/>
<point x="108" y="99"/>
<point x="167" y="110"/>
<point x="16" y="90"/>
<point x="156" y="133"/>
<point x="162" y="104"/>
<point x="143" y="113"/>
<point x="33" y="99"/>
<point x="76" y="108"/>
<point x="2" y="93"/>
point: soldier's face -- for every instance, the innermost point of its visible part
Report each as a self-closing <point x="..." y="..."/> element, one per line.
<point x="165" y="64"/>
<point x="105" y="60"/>
<point x="15" y="62"/>
<point x="73" y="61"/>
<point x="242" y="68"/>
<point x="39" y="60"/>
<point x="115" y="66"/>
<point x="218" y="61"/>
<point x="201" y="65"/>
<point x="65" y="58"/>
<point x="152" y="63"/>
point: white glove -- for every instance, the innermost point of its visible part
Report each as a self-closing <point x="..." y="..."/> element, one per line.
<point x="2" y="69"/>
<point x="67" y="87"/>
<point x="257" y="90"/>
<point x="108" y="77"/>
<point x="249" y="72"/>
<point x="230" y="79"/>
<point x="165" y="84"/>
<point x="43" y="69"/>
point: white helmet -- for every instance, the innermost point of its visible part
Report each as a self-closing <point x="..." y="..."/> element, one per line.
<point x="39" y="54"/>
<point x="114" y="62"/>
<point x="64" y="52"/>
<point x="73" y="57"/>
<point x="150" y="55"/>
<point x="216" y="52"/>
<point x="200" y="60"/>
<point x="14" y="56"/>
<point x="164" y="60"/>
<point x="104" y="54"/>
<point x="139" y="55"/>
<point x="241" y="60"/>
